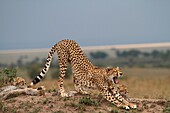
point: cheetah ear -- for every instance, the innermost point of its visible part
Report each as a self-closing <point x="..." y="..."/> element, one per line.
<point x="108" y="69"/>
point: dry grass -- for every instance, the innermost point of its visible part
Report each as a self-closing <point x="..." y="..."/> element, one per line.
<point x="141" y="82"/>
<point x="147" y="83"/>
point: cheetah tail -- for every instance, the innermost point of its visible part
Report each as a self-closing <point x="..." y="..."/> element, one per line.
<point x="46" y="67"/>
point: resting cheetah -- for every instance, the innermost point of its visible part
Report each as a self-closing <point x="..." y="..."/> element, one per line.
<point x="19" y="81"/>
<point x="85" y="74"/>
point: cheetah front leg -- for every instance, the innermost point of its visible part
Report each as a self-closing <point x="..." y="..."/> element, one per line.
<point x="111" y="98"/>
<point x="119" y="92"/>
<point x="119" y="97"/>
<point x="118" y="100"/>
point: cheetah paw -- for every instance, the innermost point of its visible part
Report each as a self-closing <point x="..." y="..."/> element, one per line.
<point x="124" y="107"/>
<point x="64" y="94"/>
<point x="72" y="93"/>
<point x="127" y="107"/>
<point x="69" y="94"/>
<point x="134" y="106"/>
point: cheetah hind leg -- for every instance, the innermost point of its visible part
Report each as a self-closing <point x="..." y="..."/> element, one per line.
<point x="63" y="67"/>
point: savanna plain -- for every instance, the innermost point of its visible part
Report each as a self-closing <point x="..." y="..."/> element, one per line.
<point x="147" y="87"/>
<point x="146" y="74"/>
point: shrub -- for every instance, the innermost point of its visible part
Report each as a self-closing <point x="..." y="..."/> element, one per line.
<point x="166" y="110"/>
<point x="7" y="76"/>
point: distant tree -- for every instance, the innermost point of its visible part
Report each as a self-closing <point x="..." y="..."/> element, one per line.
<point x="130" y="53"/>
<point x="145" y="54"/>
<point x="134" y="53"/>
<point x="168" y="54"/>
<point x="155" y="54"/>
<point x="98" y="55"/>
<point x="125" y="54"/>
<point x="19" y="62"/>
<point x="118" y="53"/>
<point x="165" y="55"/>
<point x="122" y="54"/>
<point x="36" y="60"/>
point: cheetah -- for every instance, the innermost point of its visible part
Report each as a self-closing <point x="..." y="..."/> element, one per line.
<point x="122" y="89"/>
<point x="85" y="74"/>
<point x="19" y="81"/>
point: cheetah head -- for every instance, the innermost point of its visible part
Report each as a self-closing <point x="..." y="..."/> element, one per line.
<point x="19" y="81"/>
<point x="122" y="89"/>
<point x="113" y="74"/>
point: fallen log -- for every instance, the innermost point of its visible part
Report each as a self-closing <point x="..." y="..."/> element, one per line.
<point x="13" y="91"/>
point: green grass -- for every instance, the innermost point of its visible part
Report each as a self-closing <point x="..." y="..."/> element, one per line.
<point x="88" y="101"/>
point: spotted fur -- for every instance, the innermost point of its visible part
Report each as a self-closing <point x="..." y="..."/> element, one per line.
<point x="19" y="81"/>
<point x="85" y="74"/>
<point x="122" y="89"/>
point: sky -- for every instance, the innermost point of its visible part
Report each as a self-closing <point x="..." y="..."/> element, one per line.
<point x="28" y="24"/>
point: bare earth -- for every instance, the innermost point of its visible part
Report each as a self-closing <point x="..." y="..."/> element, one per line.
<point x="53" y="103"/>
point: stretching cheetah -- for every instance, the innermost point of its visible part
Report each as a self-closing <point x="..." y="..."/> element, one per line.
<point x="85" y="74"/>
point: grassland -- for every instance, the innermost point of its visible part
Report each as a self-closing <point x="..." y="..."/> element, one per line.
<point x="141" y="82"/>
<point x="149" y="85"/>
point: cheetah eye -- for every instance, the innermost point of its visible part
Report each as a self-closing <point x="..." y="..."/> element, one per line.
<point x="120" y="73"/>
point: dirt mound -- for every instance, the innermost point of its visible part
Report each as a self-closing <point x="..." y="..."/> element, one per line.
<point x="77" y="104"/>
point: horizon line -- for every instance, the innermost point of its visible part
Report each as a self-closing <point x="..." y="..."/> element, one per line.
<point x="104" y="47"/>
